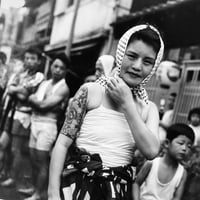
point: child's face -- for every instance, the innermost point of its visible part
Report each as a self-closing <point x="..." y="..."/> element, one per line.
<point x="171" y="101"/>
<point x="195" y="119"/>
<point x="180" y="147"/>
<point x="137" y="63"/>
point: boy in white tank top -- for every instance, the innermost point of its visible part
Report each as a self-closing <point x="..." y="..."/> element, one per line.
<point x="164" y="178"/>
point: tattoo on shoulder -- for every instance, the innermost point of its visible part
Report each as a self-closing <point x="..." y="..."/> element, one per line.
<point x="75" y="113"/>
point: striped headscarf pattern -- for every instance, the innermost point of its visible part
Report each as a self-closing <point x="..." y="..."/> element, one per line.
<point x="139" y="90"/>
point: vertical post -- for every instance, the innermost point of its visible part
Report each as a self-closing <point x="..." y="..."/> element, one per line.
<point x="111" y="37"/>
<point x="51" y="17"/>
<point x="71" y="35"/>
<point x="47" y="65"/>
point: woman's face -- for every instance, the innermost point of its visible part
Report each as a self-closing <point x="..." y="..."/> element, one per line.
<point x="137" y="63"/>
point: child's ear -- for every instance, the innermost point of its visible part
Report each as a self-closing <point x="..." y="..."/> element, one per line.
<point x="166" y="143"/>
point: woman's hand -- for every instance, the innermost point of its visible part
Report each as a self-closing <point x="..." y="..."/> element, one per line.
<point x="119" y="91"/>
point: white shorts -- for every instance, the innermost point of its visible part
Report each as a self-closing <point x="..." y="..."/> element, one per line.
<point x="43" y="133"/>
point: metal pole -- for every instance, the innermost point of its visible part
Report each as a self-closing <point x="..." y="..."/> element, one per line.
<point x="71" y="35"/>
<point x="50" y="22"/>
<point x="111" y="31"/>
<point x="47" y="66"/>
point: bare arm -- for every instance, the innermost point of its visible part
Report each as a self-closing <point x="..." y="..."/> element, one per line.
<point x="143" y="173"/>
<point x="51" y="101"/>
<point x="71" y="126"/>
<point x="179" y="191"/>
<point x="145" y="133"/>
<point x="20" y="91"/>
<point x="58" y="156"/>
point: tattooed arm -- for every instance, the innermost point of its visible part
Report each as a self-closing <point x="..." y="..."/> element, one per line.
<point x="75" y="114"/>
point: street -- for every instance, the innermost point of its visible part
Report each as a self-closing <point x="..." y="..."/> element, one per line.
<point x="10" y="193"/>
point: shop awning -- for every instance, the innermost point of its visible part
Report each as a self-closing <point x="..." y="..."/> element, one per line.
<point x="34" y="3"/>
<point x="153" y="9"/>
<point x="178" y="20"/>
<point x="78" y="45"/>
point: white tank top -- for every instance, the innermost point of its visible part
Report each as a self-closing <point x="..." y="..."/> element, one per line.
<point x="153" y="189"/>
<point x="106" y="132"/>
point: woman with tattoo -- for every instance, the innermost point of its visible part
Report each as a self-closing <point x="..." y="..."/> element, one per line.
<point x="105" y="122"/>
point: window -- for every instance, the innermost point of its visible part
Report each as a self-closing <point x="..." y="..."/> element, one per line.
<point x="31" y="18"/>
<point x="60" y="7"/>
<point x="189" y="76"/>
<point x="198" y="77"/>
<point x="70" y="3"/>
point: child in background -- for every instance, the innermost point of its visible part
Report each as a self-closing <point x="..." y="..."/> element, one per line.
<point x="194" y="123"/>
<point x="192" y="164"/>
<point x="164" y="177"/>
<point x="167" y="117"/>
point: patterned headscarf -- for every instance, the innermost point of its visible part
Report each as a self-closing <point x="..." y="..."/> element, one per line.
<point x="139" y="90"/>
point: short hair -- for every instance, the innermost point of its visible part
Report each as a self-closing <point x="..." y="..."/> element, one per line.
<point x="180" y="129"/>
<point x="64" y="59"/>
<point x="193" y="111"/>
<point x="3" y="57"/>
<point x="148" y="36"/>
<point x="34" y="50"/>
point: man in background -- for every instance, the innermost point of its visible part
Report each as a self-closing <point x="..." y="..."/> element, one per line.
<point x="47" y="104"/>
<point x="167" y="118"/>
<point x="23" y="85"/>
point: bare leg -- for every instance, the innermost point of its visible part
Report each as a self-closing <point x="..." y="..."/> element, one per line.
<point x="4" y="140"/>
<point x="34" y="165"/>
<point x="43" y="163"/>
<point x="4" y="143"/>
<point x="40" y="164"/>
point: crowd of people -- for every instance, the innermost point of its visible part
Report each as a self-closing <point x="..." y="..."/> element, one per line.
<point x="109" y="123"/>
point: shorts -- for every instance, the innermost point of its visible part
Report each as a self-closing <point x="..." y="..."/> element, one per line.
<point x="43" y="134"/>
<point x="19" y="129"/>
<point x="20" y="137"/>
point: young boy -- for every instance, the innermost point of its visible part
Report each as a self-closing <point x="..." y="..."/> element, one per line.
<point x="194" y="123"/>
<point x="164" y="177"/>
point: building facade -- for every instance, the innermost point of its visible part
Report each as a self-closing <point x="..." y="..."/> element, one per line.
<point x="90" y="28"/>
<point x="177" y="20"/>
<point x="92" y="34"/>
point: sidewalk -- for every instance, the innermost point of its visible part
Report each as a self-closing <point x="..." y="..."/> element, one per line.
<point x="10" y="193"/>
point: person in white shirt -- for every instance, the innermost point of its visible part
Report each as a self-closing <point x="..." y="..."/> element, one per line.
<point x="164" y="178"/>
<point x="46" y="105"/>
<point x="104" y="66"/>
<point x="194" y="123"/>
<point x="167" y="118"/>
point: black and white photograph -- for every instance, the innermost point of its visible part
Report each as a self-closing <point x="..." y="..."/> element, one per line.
<point x="99" y="100"/>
